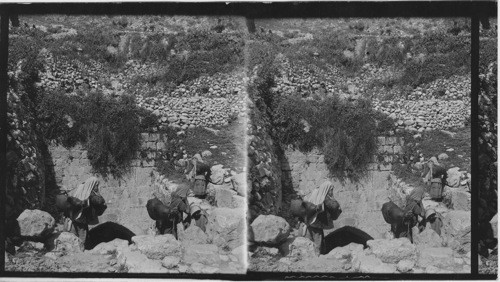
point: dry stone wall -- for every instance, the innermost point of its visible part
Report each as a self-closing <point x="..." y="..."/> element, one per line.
<point x="360" y="202"/>
<point x="126" y="197"/>
<point x="265" y="190"/>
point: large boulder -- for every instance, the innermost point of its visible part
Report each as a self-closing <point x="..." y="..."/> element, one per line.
<point x="110" y="247"/>
<point x="299" y="247"/>
<point x="270" y="229"/>
<point x="35" y="224"/>
<point x="438" y="257"/>
<point x="364" y="263"/>
<point x="65" y="242"/>
<point x="136" y="262"/>
<point x="158" y="247"/>
<point x="427" y="238"/>
<point x="193" y="235"/>
<point x="207" y="254"/>
<point x="226" y="227"/>
<point x="392" y="251"/>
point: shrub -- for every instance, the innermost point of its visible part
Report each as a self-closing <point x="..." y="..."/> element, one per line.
<point x="23" y="55"/>
<point x="108" y="128"/>
<point x="345" y="131"/>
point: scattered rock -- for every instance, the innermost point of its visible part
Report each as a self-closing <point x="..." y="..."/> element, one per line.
<point x="405" y="266"/>
<point x="66" y="242"/>
<point x="206" y="153"/>
<point x="170" y="262"/>
<point x="443" y="156"/>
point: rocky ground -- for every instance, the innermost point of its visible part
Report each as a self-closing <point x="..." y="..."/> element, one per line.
<point x="278" y="247"/>
<point x="220" y="250"/>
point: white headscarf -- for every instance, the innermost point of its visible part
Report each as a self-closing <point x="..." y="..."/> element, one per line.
<point x="85" y="189"/>
<point x="318" y="195"/>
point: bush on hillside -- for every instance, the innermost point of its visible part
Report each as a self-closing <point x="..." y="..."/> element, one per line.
<point x="262" y="62"/>
<point x="24" y="57"/>
<point x="345" y="131"/>
<point x="108" y="128"/>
